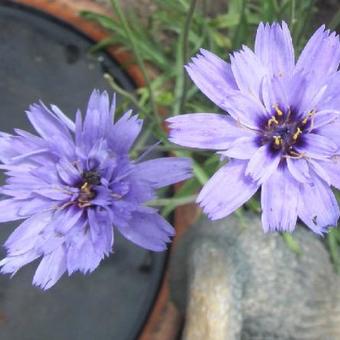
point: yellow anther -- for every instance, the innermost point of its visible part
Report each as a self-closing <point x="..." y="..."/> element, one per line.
<point x="309" y="115"/>
<point x="278" y="111"/>
<point x="84" y="187"/>
<point x="297" y="134"/>
<point x="272" y="121"/>
<point x="277" y="140"/>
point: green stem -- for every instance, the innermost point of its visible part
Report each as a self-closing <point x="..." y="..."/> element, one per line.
<point x="237" y="36"/>
<point x="154" y="128"/>
<point x="335" y="22"/>
<point x="301" y="30"/>
<point x="185" y="46"/>
<point x="333" y="247"/>
<point x="292" y="244"/>
<point x="292" y="14"/>
<point x="162" y="148"/>
<point x="168" y="209"/>
<point x="122" y="92"/>
<point x="140" y="62"/>
<point x="173" y="201"/>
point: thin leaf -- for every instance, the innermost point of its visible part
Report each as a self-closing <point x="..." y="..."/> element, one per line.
<point x="292" y="244"/>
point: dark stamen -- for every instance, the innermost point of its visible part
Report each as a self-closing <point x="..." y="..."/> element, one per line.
<point x="283" y="132"/>
<point x="87" y="193"/>
<point x="91" y="177"/>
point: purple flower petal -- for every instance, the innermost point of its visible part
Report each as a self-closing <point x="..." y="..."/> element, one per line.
<point x="318" y="208"/>
<point x="10" y="210"/>
<point x="330" y="99"/>
<point x="7" y="152"/>
<point x="35" y="205"/>
<point x="79" y="138"/>
<point x="29" y="154"/>
<point x="332" y="168"/>
<point x="274" y="48"/>
<point x="68" y="173"/>
<point x="263" y="163"/>
<point x="101" y="230"/>
<point x="246" y="110"/>
<point x="242" y="148"/>
<point x="50" y="269"/>
<point x="299" y="94"/>
<point x="211" y="75"/>
<point x="274" y="92"/>
<point x="24" y="236"/>
<point x="139" y="191"/>
<point x="162" y="172"/>
<point x="248" y="71"/>
<point x="306" y="94"/>
<point x="149" y="231"/>
<point x="47" y="124"/>
<point x="321" y="54"/>
<point x="23" y="180"/>
<point x="81" y="254"/>
<point x="125" y="132"/>
<point x="100" y="102"/>
<point x="24" y="144"/>
<point x="62" y="117"/>
<point x="325" y="118"/>
<point x="11" y="264"/>
<point x="331" y="131"/>
<point x="290" y="116"/>
<point x="320" y="171"/>
<point x="53" y="193"/>
<point x="205" y="130"/>
<point x="279" y="200"/>
<point x="98" y="119"/>
<point x="299" y="169"/>
<point x="317" y="146"/>
<point x="74" y="183"/>
<point x="227" y="190"/>
<point x="64" y="220"/>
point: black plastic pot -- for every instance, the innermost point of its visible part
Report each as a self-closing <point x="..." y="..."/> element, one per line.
<point x="45" y="57"/>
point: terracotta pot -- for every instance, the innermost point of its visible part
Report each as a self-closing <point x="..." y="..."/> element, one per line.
<point x="163" y="322"/>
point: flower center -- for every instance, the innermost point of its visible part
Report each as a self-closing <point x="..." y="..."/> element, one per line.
<point x="283" y="131"/>
<point x="87" y="192"/>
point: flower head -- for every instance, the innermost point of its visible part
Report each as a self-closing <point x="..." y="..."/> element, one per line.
<point x="282" y="131"/>
<point x="73" y="183"/>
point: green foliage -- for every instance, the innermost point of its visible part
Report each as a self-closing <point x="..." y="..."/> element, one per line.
<point x="175" y="32"/>
<point x="291" y="243"/>
<point x="333" y="242"/>
<point x="172" y="34"/>
<point x="335" y="22"/>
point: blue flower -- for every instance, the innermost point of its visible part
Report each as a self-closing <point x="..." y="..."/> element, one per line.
<point x="282" y="131"/>
<point x="73" y="184"/>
